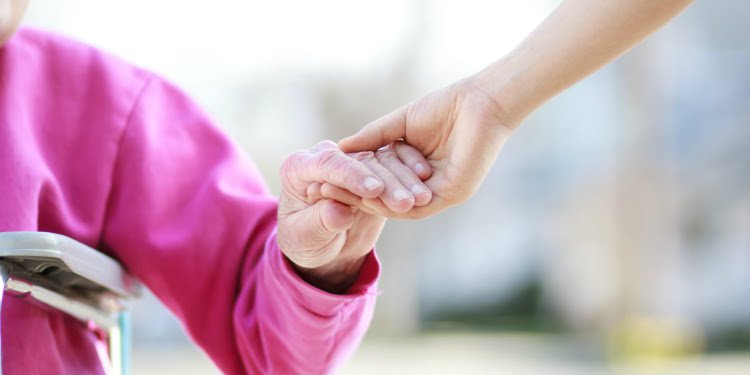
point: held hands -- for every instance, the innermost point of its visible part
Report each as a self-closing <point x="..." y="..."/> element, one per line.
<point x="459" y="130"/>
<point x="326" y="239"/>
<point x="415" y="162"/>
<point x="326" y="221"/>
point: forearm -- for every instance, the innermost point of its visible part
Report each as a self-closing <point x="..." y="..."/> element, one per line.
<point x="578" y="38"/>
<point x="334" y="278"/>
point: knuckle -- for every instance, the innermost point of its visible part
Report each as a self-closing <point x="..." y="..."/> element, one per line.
<point x="350" y="174"/>
<point x="286" y="164"/>
<point x="326" y="145"/>
<point x="294" y="158"/>
<point x="327" y="158"/>
<point x="338" y="168"/>
<point x="364" y="156"/>
<point x="290" y="165"/>
<point x="386" y="155"/>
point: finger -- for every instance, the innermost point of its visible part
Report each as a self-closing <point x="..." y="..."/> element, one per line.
<point x="378" y="207"/>
<point x="388" y="159"/>
<point x="334" y="216"/>
<point x="377" y="133"/>
<point x="372" y="206"/>
<point x="326" y="163"/>
<point x="340" y="195"/>
<point x="397" y="197"/>
<point x="336" y="193"/>
<point x="313" y="192"/>
<point x="313" y="236"/>
<point x="412" y="158"/>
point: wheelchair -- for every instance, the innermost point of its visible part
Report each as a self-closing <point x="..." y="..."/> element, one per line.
<point x="58" y="272"/>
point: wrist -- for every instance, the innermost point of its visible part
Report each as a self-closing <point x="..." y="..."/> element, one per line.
<point x="335" y="277"/>
<point x="503" y="82"/>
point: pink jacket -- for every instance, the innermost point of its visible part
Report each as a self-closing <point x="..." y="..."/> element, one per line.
<point x="121" y="160"/>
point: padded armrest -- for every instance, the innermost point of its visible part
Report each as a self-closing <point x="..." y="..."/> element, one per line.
<point x="65" y="266"/>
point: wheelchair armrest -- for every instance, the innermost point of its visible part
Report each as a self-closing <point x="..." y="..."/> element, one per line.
<point x="65" y="266"/>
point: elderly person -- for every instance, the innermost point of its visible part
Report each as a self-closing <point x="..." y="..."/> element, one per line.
<point x="117" y="158"/>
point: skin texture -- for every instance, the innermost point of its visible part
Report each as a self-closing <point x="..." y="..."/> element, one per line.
<point x="325" y="239"/>
<point x="11" y="12"/>
<point x="461" y="129"/>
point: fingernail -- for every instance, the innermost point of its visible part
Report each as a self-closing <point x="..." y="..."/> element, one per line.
<point x="371" y="183"/>
<point x="419" y="189"/>
<point x="400" y="194"/>
<point x="420" y="168"/>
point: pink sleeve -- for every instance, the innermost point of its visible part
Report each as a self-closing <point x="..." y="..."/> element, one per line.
<point x="190" y="216"/>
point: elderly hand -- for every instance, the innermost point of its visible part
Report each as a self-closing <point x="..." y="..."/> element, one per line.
<point x="327" y="240"/>
<point x="459" y="129"/>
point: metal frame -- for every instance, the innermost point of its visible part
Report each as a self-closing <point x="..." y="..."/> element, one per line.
<point x="56" y="271"/>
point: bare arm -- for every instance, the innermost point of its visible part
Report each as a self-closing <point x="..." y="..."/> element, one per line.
<point x="578" y="38"/>
<point x="461" y="128"/>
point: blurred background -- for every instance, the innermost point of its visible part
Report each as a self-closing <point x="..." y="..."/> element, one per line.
<point x="611" y="237"/>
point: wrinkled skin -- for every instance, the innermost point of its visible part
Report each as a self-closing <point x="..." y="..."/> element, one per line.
<point x="324" y="237"/>
<point x="460" y="130"/>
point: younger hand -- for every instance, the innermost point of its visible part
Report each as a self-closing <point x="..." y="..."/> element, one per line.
<point x="459" y="130"/>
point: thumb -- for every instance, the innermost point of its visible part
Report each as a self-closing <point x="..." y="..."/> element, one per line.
<point x="378" y="133"/>
<point x="314" y="236"/>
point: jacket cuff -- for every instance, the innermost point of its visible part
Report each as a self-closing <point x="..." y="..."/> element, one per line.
<point x="310" y="296"/>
